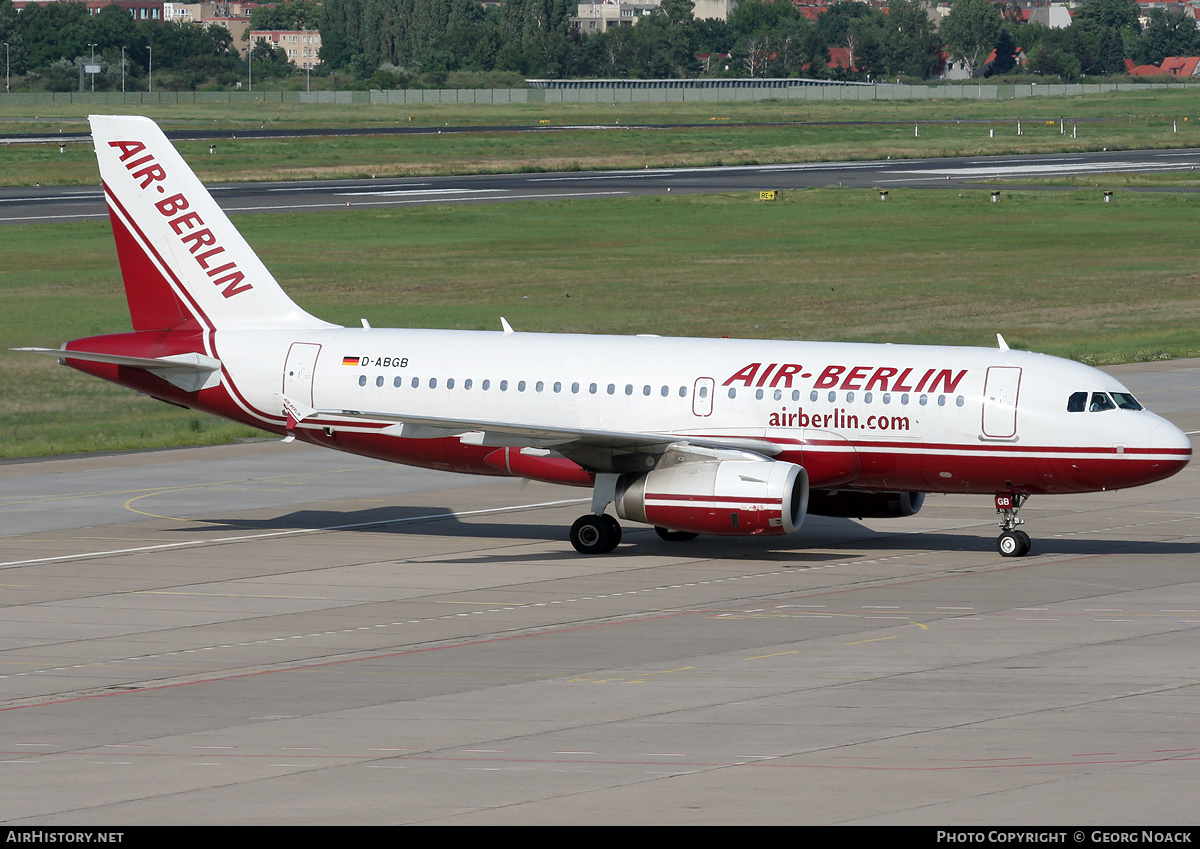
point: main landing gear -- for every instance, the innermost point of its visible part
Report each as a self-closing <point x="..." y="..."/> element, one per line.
<point x="1012" y="542"/>
<point x="597" y="532"/>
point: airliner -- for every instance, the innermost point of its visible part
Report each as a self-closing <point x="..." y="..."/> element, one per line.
<point x="691" y="436"/>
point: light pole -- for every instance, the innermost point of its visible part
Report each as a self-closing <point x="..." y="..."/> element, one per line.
<point x="92" y="45"/>
<point x="122" y="69"/>
<point x="150" y="47"/>
<point x="6" y="86"/>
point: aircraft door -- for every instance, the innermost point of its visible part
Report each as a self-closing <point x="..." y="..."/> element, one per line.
<point x="702" y="396"/>
<point x="298" y="371"/>
<point x="1000" y="402"/>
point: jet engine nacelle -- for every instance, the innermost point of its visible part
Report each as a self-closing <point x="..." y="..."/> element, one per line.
<point x="700" y="491"/>
<point x="865" y="505"/>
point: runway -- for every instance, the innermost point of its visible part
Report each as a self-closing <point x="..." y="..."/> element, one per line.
<point x="269" y="633"/>
<point x="24" y="205"/>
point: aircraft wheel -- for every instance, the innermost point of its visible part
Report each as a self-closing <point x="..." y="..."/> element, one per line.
<point x="1013" y="544"/>
<point x="614" y="532"/>
<point x="593" y="534"/>
<point x="674" y="536"/>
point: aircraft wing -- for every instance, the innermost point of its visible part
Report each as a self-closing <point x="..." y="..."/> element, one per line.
<point x="190" y="372"/>
<point x="584" y="443"/>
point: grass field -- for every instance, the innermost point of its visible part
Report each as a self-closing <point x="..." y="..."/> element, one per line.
<point x="780" y="131"/>
<point x="1059" y="272"/>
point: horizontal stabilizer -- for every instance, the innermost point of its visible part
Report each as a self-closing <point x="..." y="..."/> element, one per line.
<point x="191" y="372"/>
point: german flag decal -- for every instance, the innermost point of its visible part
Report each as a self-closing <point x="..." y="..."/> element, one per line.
<point x="349" y="361"/>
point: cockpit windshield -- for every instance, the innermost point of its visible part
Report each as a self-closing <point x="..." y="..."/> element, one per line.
<point x="1101" y="401"/>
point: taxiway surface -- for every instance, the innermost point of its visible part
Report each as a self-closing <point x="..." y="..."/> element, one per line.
<point x="271" y="633"/>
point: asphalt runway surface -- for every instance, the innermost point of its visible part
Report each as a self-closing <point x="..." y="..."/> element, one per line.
<point x="23" y="205"/>
<point x="270" y="633"/>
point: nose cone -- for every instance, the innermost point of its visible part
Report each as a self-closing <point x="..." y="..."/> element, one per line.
<point x="1171" y="447"/>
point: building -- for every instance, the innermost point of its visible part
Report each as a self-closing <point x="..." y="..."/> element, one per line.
<point x="303" y="46"/>
<point x="599" y="16"/>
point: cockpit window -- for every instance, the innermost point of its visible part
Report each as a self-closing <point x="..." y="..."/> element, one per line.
<point x="1126" y="401"/>
<point x="1101" y="401"/>
<point x="1077" y="403"/>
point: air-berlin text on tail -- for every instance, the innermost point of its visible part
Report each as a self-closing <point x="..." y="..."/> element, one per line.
<point x="200" y="241"/>
<point x="850" y="378"/>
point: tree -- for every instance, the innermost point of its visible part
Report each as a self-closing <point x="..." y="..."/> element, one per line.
<point x="970" y="31"/>
<point x="913" y="47"/>
<point x="1168" y="34"/>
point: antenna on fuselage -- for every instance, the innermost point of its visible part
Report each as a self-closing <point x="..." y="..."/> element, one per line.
<point x="506" y="327"/>
<point x="1001" y="342"/>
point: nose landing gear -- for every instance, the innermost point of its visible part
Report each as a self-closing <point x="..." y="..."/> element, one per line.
<point x="1012" y="542"/>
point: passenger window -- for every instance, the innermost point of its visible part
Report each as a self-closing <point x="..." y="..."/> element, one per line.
<point x="849" y="397"/>
<point x="362" y="380"/>
<point x="487" y="384"/>
<point x="758" y="394"/>
<point x="398" y="382"/>
<point x="379" y="380"/>
<point x="416" y="383"/>
<point x="1077" y="403"/>
<point x="520" y="386"/>
<point x="433" y="383"/>
<point x="467" y="383"/>
<point x="450" y="383"/>
<point x="960" y="400"/>
<point x="1101" y="402"/>
<point x="504" y="386"/>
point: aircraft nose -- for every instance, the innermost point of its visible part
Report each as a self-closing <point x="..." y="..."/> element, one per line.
<point x="1167" y="437"/>
<point x="1174" y="447"/>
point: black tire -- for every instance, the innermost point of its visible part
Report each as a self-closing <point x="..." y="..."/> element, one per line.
<point x="1013" y="544"/>
<point x="614" y="533"/>
<point x="594" y="534"/>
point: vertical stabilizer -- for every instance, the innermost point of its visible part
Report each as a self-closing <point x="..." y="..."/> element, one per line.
<point x="182" y="260"/>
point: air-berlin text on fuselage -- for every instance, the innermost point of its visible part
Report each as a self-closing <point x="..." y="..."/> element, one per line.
<point x="187" y="225"/>
<point x="850" y="378"/>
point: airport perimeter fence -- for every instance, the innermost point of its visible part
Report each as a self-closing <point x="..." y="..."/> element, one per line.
<point x="590" y="91"/>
